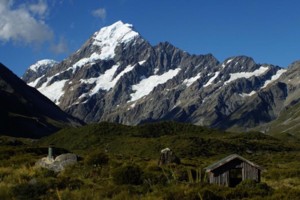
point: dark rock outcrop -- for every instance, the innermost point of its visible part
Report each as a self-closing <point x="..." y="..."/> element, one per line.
<point x="167" y="156"/>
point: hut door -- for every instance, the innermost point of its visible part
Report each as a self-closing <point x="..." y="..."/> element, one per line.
<point x="235" y="176"/>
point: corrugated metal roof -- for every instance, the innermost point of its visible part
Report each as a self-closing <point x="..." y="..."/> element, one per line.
<point x="228" y="159"/>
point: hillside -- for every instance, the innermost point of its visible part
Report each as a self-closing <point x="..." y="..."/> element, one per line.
<point x="286" y="125"/>
<point x="27" y="113"/>
<point x="149" y="139"/>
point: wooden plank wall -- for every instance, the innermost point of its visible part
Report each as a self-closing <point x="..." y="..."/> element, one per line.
<point x="220" y="176"/>
<point x="250" y="172"/>
<point x="220" y="179"/>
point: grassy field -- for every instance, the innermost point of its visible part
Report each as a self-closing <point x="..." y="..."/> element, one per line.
<point x="121" y="162"/>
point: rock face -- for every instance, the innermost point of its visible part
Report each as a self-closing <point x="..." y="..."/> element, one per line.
<point x="25" y="112"/>
<point x="38" y="69"/>
<point x="59" y="163"/>
<point x="118" y="76"/>
<point x="167" y="156"/>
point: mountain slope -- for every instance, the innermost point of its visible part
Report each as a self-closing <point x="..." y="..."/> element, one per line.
<point x="118" y="76"/>
<point x="25" y="112"/>
<point x="287" y="123"/>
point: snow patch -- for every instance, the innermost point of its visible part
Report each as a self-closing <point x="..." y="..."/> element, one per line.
<point x="94" y="57"/>
<point x="133" y="105"/>
<point x="103" y="81"/>
<point x="108" y="38"/>
<point x="53" y="91"/>
<point x="190" y="81"/>
<point x="106" y="80"/>
<point x="226" y="63"/>
<point x="274" y="77"/>
<point x="145" y="86"/>
<point x="142" y="62"/>
<point x="35" y="82"/>
<point x="196" y="67"/>
<point x="83" y="96"/>
<point x="211" y="79"/>
<point x="258" y="72"/>
<point x="229" y="61"/>
<point x="248" y="94"/>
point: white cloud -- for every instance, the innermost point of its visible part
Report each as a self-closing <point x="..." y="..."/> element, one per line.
<point x="60" y="47"/>
<point x="39" y="9"/>
<point x="24" y="23"/>
<point x="100" y="12"/>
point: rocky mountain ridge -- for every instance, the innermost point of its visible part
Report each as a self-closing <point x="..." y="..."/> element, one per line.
<point x="118" y="76"/>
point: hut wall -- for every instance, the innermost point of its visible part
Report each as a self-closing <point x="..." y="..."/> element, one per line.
<point x="221" y="175"/>
<point x="250" y="172"/>
<point x="220" y="179"/>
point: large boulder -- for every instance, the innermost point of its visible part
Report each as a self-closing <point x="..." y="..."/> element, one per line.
<point x="59" y="163"/>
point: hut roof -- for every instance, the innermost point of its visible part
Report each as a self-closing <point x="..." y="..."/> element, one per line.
<point x="228" y="159"/>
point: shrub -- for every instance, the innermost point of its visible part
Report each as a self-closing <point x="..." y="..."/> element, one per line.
<point x="250" y="188"/>
<point x="44" y="173"/>
<point x="154" y="178"/>
<point x="70" y="183"/>
<point x="5" y="192"/>
<point x="97" y="159"/>
<point x="209" y="195"/>
<point x="29" y="191"/>
<point x="129" y="174"/>
<point x="185" y="192"/>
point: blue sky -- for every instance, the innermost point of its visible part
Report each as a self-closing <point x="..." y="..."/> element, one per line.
<point x="267" y="30"/>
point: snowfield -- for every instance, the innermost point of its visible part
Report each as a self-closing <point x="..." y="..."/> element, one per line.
<point x="145" y="86"/>
<point x="258" y="72"/>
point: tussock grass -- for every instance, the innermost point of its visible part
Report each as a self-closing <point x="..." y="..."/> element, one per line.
<point x="112" y="156"/>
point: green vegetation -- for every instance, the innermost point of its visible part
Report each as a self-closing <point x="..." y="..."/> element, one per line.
<point x="121" y="162"/>
<point x="286" y="126"/>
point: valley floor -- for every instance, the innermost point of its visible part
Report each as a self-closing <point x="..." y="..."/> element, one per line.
<point x="120" y="162"/>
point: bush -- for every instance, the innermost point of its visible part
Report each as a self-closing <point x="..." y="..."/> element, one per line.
<point x="154" y="178"/>
<point x="209" y="195"/>
<point x="70" y="183"/>
<point x="45" y="173"/>
<point x="5" y="192"/>
<point x="97" y="159"/>
<point x="29" y="191"/>
<point x="250" y="188"/>
<point x="129" y="174"/>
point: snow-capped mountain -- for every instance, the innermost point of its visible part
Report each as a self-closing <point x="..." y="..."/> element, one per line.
<point x="118" y="76"/>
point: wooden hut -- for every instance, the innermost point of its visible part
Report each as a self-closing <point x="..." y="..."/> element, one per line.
<point x="233" y="169"/>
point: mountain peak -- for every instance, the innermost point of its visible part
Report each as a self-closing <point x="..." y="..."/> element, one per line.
<point x="38" y="69"/>
<point x="119" y="30"/>
<point x="108" y="38"/>
<point x="42" y="63"/>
